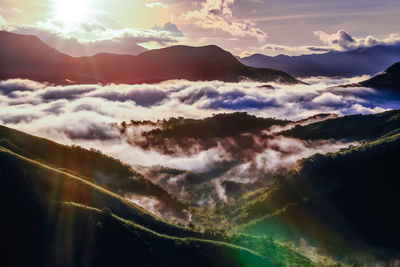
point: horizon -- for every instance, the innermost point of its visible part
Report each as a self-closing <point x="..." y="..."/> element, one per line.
<point x="133" y="134"/>
<point x="242" y="27"/>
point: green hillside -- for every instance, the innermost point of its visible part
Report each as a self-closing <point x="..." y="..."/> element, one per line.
<point x="352" y="127"/>
<point x="345" y="204"/>
<point x="217" y="126"/>
<point x="90" y="164"/>
<point x="55" y="218"/>
<point x="61" y="220"/>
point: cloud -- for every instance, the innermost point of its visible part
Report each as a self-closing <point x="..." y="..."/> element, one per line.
<point x="146" y="97"/>
<point x="2" y="21"/>
<point x="218" y="15"/>
<point x="156" y="4"/>
<point x="304" y="49"/>
<point x="343" y="41"/>
<point x="280" y="155"/>
<point x="158" y="208"/>
<point x="7" y="87"/>
<point x="59" y="92"/>
<point x="195" y="99"/>
<point x="339" y="41"/>
<point x="50" y="109"/>
<point x="91" y="37"/>
<point x="171" y="28"/>
<point x="91" y="116"/>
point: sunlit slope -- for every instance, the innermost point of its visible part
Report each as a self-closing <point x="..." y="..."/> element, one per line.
<point x="345" y="203"/>
<point x="53" y="218"/>
<point x="49" y="185"/>
<point x="92" y="165"/>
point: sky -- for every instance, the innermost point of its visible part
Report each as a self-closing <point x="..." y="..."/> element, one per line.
<point x="243" y="27"/>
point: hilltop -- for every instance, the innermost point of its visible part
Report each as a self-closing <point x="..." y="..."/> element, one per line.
<point x="177" y="62"/>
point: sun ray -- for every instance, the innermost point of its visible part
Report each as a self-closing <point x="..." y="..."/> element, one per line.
<point x="71" y="12"/>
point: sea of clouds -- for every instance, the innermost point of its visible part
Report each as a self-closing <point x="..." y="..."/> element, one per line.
<point x="87" y="115"/>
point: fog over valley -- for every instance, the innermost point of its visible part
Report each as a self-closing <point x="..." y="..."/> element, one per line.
<point x="122" y="121"/>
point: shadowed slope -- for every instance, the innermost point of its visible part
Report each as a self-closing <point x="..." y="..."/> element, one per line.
<point x="93" y="165"/>
<point x="54" y="219"/>
<point x="389" y="80"/>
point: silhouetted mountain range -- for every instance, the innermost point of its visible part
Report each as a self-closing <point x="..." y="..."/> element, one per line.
<point x="362" y="61"/>
<point x="26" y="56"/>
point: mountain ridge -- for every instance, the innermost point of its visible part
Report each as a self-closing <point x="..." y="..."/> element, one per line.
<point x="362" y="61"/>
<point x="389" y="79"/>
<point x="176" y="62"/>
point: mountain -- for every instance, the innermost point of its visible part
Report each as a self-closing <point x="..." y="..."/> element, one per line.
<point x="352" y="127"/>
<point x="27" y="57"/>
<point x="95" y="166"/>
<point x="390" y="79"/>
<point x="341" y="204"/>
<point x="362" y="61"/>
<point x="56" y="217"/>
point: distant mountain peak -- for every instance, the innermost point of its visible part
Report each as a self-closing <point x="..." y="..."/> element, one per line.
<point x="28" y="57"/>
<point x="362" y="61"/>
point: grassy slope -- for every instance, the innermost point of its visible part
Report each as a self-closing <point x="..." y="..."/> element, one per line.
<point x="53" y="219"/>
<point x="100" y="169"/>
<point x="338" y="202"/>
<point x="59" y="220"/>
<point x="353" y="127"/>
<point x="53" y="186"/>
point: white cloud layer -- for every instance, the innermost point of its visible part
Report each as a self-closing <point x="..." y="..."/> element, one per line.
<point x="87" y="115"/>
<point x="190" y="99"/>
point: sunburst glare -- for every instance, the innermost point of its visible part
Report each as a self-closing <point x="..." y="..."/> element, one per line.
<point x="71" y="12"/>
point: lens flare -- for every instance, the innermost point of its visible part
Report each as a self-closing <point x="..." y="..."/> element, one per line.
<point x="71" y="12"/>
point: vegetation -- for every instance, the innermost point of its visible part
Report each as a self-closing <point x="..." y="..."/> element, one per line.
<point x="334" y="208"/>
<point x="55" y="218"/>
<point x="89" y="164"/>
<point x="353" y="127"/>
<point x="342" y="203"/>
<point x="218" y="126"/>
<point x="388" y="80"/>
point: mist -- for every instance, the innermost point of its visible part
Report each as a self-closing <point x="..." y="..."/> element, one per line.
<point x="91" y="116"/>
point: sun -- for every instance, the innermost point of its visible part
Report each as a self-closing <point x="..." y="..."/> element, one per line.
<point x="71" y="12"/>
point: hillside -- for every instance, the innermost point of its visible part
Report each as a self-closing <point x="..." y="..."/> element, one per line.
<point x="63" y="220"/>
<point x="219" y="125"/>
<point x="362" y="61"/>
<point x="389" y="79"/>
<point x="177" y="62"/>
<point x="352" y="127"/>
<point x="93" y="165"/>
<point x="66" y="220"/>
<point x="343" y="204"/>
